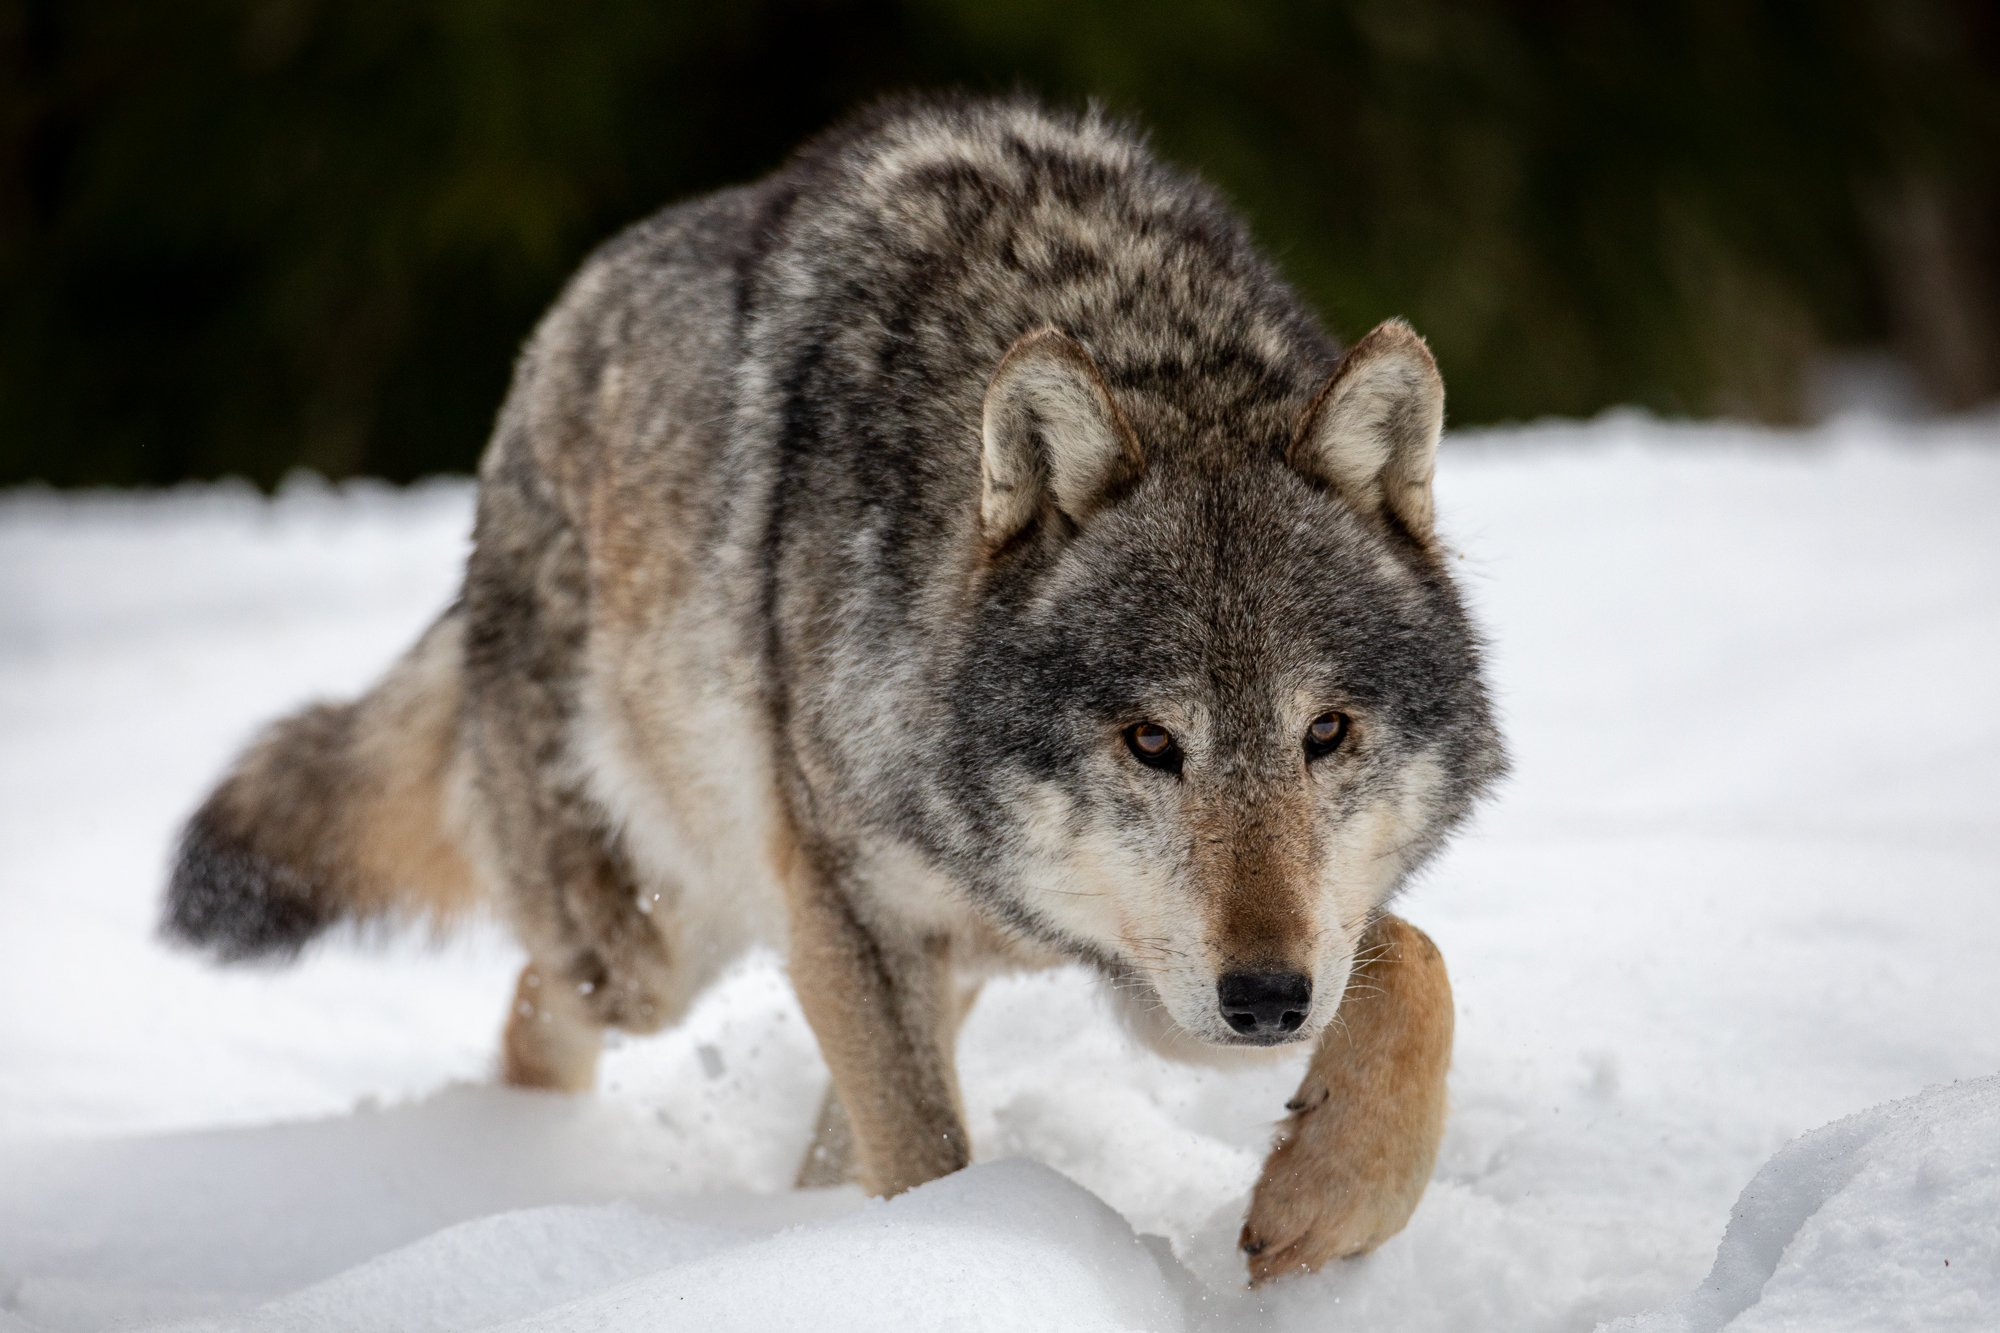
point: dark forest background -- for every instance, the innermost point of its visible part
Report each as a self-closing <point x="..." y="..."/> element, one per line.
<point x="244" y="236"/>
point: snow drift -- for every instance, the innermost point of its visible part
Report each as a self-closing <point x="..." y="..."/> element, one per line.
<point x="1855" y="1227"/>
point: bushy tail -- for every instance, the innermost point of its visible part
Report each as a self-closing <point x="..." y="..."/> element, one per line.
<point x="342" y="812"/>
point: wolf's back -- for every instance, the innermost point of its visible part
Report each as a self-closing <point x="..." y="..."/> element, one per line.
<point x="340" y="812"/>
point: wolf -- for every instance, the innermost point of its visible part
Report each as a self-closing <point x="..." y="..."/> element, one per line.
<point x="959" y="552"/>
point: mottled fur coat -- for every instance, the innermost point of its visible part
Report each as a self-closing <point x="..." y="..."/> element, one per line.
<point x="957" y="552"/>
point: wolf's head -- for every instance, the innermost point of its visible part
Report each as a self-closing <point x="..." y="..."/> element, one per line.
<point x="1220" y="702"/>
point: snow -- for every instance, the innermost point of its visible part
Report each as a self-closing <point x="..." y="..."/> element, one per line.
<point x="1860" y="1219"/>
<point x="1742" y="886"/>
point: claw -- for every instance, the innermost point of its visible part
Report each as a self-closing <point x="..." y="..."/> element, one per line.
<point x="1306" y="1098"/>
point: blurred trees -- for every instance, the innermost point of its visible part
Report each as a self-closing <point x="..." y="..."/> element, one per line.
<point x="239" y="236"/>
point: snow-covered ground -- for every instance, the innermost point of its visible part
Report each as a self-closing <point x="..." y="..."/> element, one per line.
<point x="1745" y="883"/>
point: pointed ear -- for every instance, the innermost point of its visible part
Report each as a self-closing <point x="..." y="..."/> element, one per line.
<point x="1372" y="433"/>
<point x="1052" y="439"/>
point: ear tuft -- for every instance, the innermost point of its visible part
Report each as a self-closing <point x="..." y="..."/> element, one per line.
<point x="1052" y="439"/>
<point x="1372" y="433"/>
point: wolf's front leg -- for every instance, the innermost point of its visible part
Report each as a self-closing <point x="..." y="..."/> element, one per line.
<point x="829" y="1158"/>
<point x="883" y="1009"/>
<point x="1354" y="1156"/>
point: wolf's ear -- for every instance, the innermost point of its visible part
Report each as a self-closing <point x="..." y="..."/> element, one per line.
<point x="1372" y="433"/>
<point x="1051" y="437"/>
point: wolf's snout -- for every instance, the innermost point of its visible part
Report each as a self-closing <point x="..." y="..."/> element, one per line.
<point x="1264" y="1004"/>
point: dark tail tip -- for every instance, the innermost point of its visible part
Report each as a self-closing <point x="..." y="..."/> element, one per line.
<point x="228" y="898"/>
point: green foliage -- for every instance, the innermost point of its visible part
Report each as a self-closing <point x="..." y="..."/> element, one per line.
<point x="245" y="237"/>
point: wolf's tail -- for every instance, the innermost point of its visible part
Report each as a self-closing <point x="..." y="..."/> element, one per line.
<point x="341" y="812"/>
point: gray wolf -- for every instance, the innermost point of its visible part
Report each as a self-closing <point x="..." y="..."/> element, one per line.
<point x="957" y="552"/>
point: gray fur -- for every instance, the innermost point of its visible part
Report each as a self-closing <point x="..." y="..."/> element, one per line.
<point x="739" y="477"/>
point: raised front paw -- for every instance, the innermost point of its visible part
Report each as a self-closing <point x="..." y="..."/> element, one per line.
<point x="1332" y="1188"/>
<point x="1355" y="1152"/>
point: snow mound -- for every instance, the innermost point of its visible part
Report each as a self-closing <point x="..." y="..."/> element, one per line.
<point x="1001" y="1247"/>
<point x="1888" y="1219"/>
<point x="488" y="1208"/>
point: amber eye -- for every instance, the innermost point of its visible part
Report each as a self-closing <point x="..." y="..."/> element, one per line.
<point x="1154" y="746"/>
<point x="1324" y="734"/>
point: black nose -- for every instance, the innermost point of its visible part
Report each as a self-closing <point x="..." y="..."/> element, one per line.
<point x="1264" y="1004"/>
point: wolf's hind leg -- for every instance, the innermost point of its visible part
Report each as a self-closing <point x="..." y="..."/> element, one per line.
<point x="559" y="862"/>
<point x="596" y="960"/>
<point x="1354" y="1156"/>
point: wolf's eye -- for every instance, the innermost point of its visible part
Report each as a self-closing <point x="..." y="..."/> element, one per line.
<point x="1324" y="734"/>
<point x="1154" y="746"/>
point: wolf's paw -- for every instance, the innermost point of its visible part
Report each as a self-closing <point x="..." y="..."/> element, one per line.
<point x="1354" y="1155"/>
<point x="1336" y="1185"/>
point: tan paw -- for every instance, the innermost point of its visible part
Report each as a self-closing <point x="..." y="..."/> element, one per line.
<point x="550" y="1041"/>
<point x="1330" y="1190"/>
<point x="1356" y="1151"/>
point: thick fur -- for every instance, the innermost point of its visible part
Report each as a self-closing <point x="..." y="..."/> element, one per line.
<point x="833" y="534"/>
